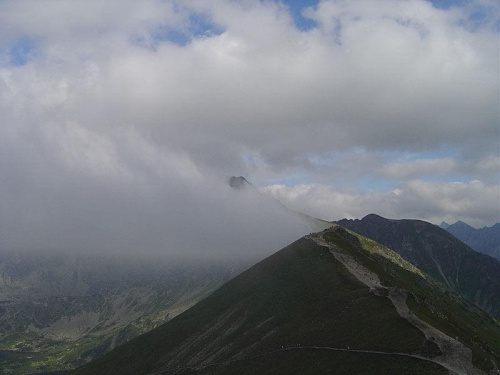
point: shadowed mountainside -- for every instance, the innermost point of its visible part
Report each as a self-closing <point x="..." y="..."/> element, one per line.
<point x="473" y="275"/>
<point x="329" y="300"/>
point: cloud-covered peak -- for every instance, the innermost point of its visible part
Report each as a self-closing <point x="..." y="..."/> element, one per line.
<point x="114" y="113"/>
<point x="238" y="182"/>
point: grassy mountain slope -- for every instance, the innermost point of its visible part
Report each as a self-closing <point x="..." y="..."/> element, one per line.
<point x="473" y="275"/>
<point x="308" y="310"/>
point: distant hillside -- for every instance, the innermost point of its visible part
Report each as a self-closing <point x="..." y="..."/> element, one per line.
<point x="485" y="240"/>
<point x="473" y="275"/>
<point x="334" y="300"/>
<point x="60" y="310"/>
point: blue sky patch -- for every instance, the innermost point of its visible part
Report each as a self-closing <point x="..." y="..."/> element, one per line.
<point x="296" y="7"/>
<point x="22" y="51"/>
<point x="199" y="26"/>
<point x="480" y="15"/>
<point x="447" y="4"/>
<point x="376" y="184"/>
<point x="163" y="34"/>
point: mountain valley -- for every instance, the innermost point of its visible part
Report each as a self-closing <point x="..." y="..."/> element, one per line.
<point x="58" y="311"/>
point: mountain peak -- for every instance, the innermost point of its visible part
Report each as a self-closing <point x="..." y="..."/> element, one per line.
<point x="372" y="217"/>
<point x="444" y="225"/>
<point x="461" y="224"/>
<point x="238" y="182"/>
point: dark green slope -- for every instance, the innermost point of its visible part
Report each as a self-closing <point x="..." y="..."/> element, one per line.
<point x="473" y="275"/>
<point x="301" y="311"/>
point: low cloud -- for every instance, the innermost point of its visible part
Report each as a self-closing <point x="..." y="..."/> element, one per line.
<point x="425" y="167"/>
<point x="121" y="120"/>
<point x="487" y="168"/>
<point x="430" y="201"/>
<point x="129" y="197"/>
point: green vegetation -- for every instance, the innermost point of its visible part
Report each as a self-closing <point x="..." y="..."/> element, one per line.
<point x="283" y="314"/>
<point x="299" y="297"/>
<point x="314" y="362"/>
<point x="472" y="275"/>
<point x="43" y="329"/>
<point x="29" y="353"/>
<point x="430" y="300"/>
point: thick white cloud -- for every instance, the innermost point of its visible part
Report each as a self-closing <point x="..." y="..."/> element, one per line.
<point x="487" y="168"/>
<point x="108" y="128"/>
<point x="474" y="202"/>
<point x="433" y="167"/>
<point x="377" y="75"/>
<point x="68" y="187"/>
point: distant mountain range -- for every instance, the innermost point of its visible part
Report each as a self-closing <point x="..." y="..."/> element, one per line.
<point x="473" y="275"/>
<point x="485" y="240"/>
<point x="332" y="302"/>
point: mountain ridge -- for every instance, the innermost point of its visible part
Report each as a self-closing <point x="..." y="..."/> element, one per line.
<point x="486" y="240"/>
<point x="473" y="275"/>
<point x="303" y="310"/>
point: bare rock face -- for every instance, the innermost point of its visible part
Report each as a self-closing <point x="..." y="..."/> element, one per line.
<point x="238" y="182"/>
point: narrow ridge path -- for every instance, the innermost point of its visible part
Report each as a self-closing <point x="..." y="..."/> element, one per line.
<point x="456" y="357"/>
<point x="290" y="348"/>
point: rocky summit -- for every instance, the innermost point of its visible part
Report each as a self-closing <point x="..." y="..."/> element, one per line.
<point x="238" y="182"/>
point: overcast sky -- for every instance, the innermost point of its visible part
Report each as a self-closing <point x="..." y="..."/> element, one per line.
<point x="121" y="120"/>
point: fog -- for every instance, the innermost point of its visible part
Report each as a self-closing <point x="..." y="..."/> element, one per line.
<point x="121" y="121"/>
<point x="164" y="206"/>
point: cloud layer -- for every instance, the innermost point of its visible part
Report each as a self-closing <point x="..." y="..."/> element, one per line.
<point x="430" y="201"/>
<point x="121" y="120"/>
